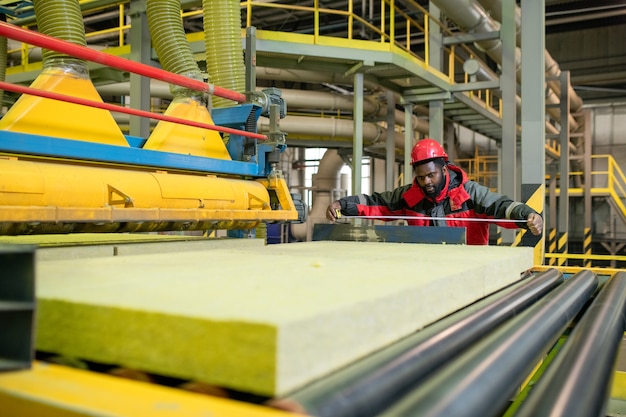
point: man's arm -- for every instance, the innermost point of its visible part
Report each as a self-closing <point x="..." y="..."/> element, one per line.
<point x="381" y="204"/>
<point x="500" y="206"/>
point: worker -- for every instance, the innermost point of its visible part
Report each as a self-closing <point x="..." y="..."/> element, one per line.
<point x="441" y="195"/>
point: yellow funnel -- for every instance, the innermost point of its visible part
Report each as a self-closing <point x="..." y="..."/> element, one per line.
<point x="188" y="140"/>
<point x="47" y="117"/>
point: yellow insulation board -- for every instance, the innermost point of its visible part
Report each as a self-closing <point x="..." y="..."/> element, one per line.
<point x="262" y="319"/>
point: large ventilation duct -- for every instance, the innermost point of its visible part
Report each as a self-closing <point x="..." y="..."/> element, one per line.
<point x="296" y="99"/>
<point x="330" y="131"/>
<point x="327" y="101"/>
<point x="3" y="64"/>
<point x="169" y="41"/>
<point x="494" y="7"/>
<point x="65" y="75"/>
<point x="174" y="52"/>
<point x="472" y="17"/>
<point x="224" y="55"/>
<point x="326" y="183"/>
<point x="3" y="59"/>
<point x="553" y="94"/>
<point x="319" y="77"/>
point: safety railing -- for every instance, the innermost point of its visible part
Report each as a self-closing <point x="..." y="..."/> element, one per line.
<point x="394" y="24"/>
<point x="607" y="178"/>
<point x="481" y="168"/>
<point x="118" y="31"/>
<point x="397" y="27"/>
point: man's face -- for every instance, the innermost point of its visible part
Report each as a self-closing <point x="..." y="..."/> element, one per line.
<point x="431" y="178"/>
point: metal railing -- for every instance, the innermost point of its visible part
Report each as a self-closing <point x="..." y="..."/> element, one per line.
<point x="394" y="23"/>
<point x="481" y="168"/>
<point x="607" y="179"/>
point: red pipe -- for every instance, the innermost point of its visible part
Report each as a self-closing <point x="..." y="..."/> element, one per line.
<point x="38" y="39"/>
<point x="112" y="107"/>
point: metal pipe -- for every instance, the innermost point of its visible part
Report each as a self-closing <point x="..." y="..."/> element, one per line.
<point x="471" y="16"/>
<point x="325" y="184"/>
<point x="328" y="129"/>
<point x="482" y="380"/>
<point x="577" y="383"/>
<point x="370" y="386"/>
<point x="321" y="77"/>
<point x="38" y="39"/>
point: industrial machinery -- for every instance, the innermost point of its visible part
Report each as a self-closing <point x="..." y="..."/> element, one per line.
<point x="129" y="184"/>
<point x="335" y="336"/>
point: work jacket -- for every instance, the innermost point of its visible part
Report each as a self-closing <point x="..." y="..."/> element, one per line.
<point x="459" y="199"/>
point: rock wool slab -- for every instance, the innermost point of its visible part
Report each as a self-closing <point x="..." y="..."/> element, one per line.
<point x="261" y="319"/>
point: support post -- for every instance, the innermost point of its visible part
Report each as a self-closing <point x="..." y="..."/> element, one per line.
<point x="507" y="166"/>
<point x="390" y="146"/>
<point x="564" y="168"/>
<point x="357" y="149"/>
<point x="140" y="51"/>
<point x="533" y="116"/>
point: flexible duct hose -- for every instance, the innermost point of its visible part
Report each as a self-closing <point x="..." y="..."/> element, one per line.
<point x="61" y="19"/>
<point x="170" y="43"/>
<point x="3" y="64"/>
<point x="224" y="54"/>
<point x="3" y="58"/>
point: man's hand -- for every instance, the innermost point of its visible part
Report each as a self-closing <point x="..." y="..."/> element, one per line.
<point x="535" y="223"/>
<point x="332" y="211"/>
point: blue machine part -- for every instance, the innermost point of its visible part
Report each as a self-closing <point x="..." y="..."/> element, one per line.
<point x="241" y="148"/>
<point x="249" y="159"/>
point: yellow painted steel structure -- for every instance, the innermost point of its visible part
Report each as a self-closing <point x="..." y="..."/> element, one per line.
<point x="49" y="390"/>
<point x="46" y="197"/>
<point x="187" y="140"/>
<point x="46" y="117"/>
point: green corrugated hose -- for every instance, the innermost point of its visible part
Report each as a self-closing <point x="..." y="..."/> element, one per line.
<point x="170" y="43"/>
<point x="224" y="54"/>
<point x="61" y="19"/>
<point x="3" y="64"/>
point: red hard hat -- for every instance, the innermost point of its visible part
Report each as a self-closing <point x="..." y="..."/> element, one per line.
<point x="427" y="149"/>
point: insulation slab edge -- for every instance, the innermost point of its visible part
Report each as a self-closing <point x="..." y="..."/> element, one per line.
<point x="261" y="319"/>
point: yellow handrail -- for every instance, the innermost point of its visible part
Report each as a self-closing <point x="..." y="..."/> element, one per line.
<point x="385" y="30"/>
<point x="393" y="17"/>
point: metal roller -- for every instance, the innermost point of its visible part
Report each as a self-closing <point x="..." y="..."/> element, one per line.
<point x="481" y="381"/>
<point x="371" y="385"/>
<point x="577" y="382"/>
